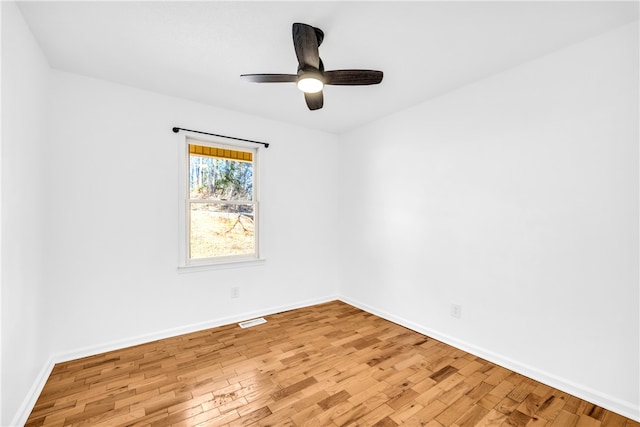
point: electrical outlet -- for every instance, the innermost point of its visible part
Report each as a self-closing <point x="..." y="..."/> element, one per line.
<point x="235" y="292"/>
<point x="456" y="311"/>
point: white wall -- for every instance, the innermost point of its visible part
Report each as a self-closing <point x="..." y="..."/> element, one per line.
<point x="517" y="198"/>
<point x="112" y="218"/>
<point x="24" y="123"/>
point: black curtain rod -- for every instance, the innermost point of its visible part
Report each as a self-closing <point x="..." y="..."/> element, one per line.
<point x="177" y="129"/>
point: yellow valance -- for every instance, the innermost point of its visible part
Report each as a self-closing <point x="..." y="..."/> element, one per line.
<point x="220" y="153"/>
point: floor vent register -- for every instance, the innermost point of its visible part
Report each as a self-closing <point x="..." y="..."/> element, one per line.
<point x="252" y="322"/>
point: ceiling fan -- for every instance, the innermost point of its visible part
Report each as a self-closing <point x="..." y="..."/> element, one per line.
<point x="311" y="76"/>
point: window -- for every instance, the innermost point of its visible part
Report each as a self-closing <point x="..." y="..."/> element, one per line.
<point x="221" y="206"/>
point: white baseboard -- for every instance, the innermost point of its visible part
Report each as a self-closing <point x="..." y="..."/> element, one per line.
<point x="36" y="388"/>
<point x="34" y="392"/>
<point x="606" y="401"/>
<point x="168" y="333"/>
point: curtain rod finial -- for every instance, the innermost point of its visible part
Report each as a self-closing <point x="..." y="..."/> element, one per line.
<point x="176" y="130"/>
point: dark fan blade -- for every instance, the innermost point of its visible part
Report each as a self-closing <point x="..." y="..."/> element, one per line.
<point x="305" y="42"/>
<point x="319" y="35"/>
<point x="314" y="100"/>
<point x="352" y="77"/>
<point x="269" y="78"/>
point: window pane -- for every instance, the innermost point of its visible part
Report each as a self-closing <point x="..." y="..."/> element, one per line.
<point x="220" y="179"/>
<point x="221" y="230"/>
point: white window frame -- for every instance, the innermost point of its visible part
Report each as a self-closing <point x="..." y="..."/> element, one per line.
<point x="232" y="261"/>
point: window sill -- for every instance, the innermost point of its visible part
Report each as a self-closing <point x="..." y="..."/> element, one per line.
<point x="221" y="265"/>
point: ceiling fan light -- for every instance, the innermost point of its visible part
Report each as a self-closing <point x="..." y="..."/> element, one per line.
<point x="310" y="84"/>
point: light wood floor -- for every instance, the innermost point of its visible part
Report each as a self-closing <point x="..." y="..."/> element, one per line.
<point x="327" y="365"/>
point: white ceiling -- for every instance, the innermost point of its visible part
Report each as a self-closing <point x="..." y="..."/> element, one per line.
<point x="197" y="50"/>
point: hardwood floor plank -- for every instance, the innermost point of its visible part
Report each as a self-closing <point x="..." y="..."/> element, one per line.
<point x="327" y="365"/>
<point x="613" y="420"/>
<point x="493" y="418"/>
<point x="472" y="417"/>
<point x="587" y="421"/>
<point x="426" y="415"/>
<point x="455" y="393"/>
<point x="454" y="411"/>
